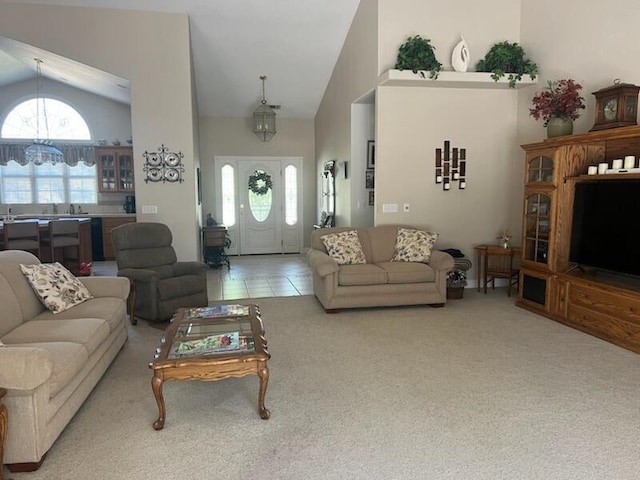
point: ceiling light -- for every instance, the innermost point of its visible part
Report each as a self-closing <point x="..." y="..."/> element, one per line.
<point x="42" y="151"/>
<point x="264" y="118"/>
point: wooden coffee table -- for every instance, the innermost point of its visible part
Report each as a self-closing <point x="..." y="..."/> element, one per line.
<point x="211" y="343"/>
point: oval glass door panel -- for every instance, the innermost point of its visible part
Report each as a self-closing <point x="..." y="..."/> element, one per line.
<point x="260" y="195"/>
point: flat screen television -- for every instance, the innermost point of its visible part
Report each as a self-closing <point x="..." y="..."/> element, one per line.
<point x="606" y="229"/>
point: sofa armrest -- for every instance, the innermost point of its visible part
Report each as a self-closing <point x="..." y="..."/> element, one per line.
<point x="441" y="261"/>
<point x="141" y="275"/>
<point x="107" y="286"/>
<point x="321" y="263"/>
<point x="24" y="368"/>
<point x="189" y="268"/>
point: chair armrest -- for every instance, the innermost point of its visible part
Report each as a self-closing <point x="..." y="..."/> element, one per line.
<point x="441" y="261"/>
<point x="141" y="275"/>
<point x="321" y="263"/>
<point x="24" y="368"/>
<point x="107" y="286"/>
<point x="189" y="268"/>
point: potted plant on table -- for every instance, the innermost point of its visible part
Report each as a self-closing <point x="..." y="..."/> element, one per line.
<point x="558" y="105"/>
<point x="506" y="58"/>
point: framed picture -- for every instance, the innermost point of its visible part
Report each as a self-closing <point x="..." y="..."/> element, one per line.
<point x="371" y="154"/>
<point x="371" y="197"/>
<point x="369" y="178"/>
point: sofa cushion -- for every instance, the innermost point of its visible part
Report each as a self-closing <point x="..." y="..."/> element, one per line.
<point x="366" y="274"/>
<point x="68" y="359"/>
<point x="344" y="247"/>
<point x="408" y="272"/>
<point x="57" y="288"/>
<point x="110" y="309"/>
<point x="413" y="245"/>
<point x="89" y="332"/>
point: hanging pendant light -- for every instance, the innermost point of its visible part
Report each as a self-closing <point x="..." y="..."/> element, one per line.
<point x="42" y="151"/>
<point x="264" y="118"/>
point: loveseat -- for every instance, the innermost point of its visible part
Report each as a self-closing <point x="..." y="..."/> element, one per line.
<point x="49" y="363"/>
<point x="380" y="281"/>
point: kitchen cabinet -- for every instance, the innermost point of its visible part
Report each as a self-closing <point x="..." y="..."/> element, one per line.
<point x="115" y="169"/>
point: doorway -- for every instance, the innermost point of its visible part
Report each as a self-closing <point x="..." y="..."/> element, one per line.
<point x="259" y="200"/>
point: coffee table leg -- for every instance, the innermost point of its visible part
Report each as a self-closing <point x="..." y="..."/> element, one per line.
<point x="263" y="373"/>
<point x="156" y="385"/>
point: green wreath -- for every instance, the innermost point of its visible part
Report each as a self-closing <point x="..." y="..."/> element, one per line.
<point x="260" y="182"/>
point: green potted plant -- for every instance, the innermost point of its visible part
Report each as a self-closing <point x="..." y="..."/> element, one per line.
<point x="558" y="105"/>
<point x="417" y="54"/>
<point x="506" y="58"/>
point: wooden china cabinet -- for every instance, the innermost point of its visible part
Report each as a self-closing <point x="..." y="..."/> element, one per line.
<point x="115" y="169"/>
<point x="549" y="283"/>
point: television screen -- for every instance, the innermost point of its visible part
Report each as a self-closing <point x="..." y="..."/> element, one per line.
<point x="606" y="230"/>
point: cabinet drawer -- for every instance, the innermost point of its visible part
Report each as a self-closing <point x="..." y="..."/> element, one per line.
<point x="605" y="326"/>
<point x="613" y="304"/>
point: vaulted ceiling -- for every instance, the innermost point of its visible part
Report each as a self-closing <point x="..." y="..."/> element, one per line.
<point x="294" y="42"/>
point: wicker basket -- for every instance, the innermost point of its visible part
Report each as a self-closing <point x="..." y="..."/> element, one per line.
<point x="454" y="293"/>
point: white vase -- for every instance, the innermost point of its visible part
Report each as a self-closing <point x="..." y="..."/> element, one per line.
<point x="460" y="56"/>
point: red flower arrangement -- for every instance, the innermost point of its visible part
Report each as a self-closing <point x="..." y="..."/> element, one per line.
<point x="560" y="99"/>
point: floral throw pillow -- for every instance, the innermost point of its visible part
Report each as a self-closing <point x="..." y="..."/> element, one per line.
<point x="56" y="287"/>
<point x="413" y="245"/>
<point x="344" y="247"/>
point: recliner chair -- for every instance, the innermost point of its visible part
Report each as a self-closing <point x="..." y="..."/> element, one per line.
<point x="160" y="284"/>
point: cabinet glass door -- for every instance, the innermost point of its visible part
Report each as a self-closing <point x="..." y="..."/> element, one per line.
<point x="125" y="172"/>
<point x="540" y="169"/>
<point x="107" y="165"/>
<point x="537" y="225"/>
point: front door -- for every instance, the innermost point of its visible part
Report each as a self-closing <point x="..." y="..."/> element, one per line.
<point x="259" y="199"/>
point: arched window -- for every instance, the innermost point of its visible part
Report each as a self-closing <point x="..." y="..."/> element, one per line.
<point x="62" y="121"/>
<point x="46" y="184"/>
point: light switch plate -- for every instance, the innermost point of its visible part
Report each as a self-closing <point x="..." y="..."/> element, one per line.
<point x="149" y="209"/>
<point x="389" y="208"/>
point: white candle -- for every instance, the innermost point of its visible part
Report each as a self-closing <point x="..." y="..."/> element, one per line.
<point x="602" y="167"/>
<point x="629" y="161"/>
<point x="617" y="164"/>
<point x="592" y="170"/>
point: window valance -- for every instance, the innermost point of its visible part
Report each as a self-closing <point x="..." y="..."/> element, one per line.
<point x="73" y="153"/>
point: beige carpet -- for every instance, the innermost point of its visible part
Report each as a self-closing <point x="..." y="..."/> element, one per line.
<point x="479" y="389"/>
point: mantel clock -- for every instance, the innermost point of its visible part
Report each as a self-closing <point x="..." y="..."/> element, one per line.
<point x="616" y="106"/>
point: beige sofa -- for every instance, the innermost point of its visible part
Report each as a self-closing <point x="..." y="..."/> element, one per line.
<point x="379" y="282"/>
<point x="50" y="363"/>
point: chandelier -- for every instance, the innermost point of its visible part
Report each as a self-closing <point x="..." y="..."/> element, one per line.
<point x="264" y="118"/>
<point x="41" y="151"/>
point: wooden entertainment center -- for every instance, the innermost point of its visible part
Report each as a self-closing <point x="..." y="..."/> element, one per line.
<point x="603" y="304"/>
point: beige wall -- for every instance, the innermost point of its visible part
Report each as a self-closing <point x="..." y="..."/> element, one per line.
<point x="234" y="136"/>
<point x="153" y="51"/>
<point x="593" y="43"/>
<point x="354" y="75"/>
<point x="410" y="123"/>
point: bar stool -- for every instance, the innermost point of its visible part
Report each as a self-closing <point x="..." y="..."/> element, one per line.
<point x="63" y="235"/>
<point x="22" y="235"/>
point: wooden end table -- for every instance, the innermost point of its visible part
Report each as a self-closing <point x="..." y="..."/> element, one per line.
<point x="211" y="343"/>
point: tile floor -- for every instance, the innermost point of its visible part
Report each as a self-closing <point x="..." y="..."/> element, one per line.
<point x="250" y="276"/>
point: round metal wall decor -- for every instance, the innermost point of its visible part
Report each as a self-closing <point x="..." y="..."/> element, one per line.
<point x="163" y="166"/>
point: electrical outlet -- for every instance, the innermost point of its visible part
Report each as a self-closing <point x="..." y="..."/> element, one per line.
<point x="405" y="207"/>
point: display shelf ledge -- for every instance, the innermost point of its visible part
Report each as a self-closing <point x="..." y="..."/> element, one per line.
<point x="481" y="80"/>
